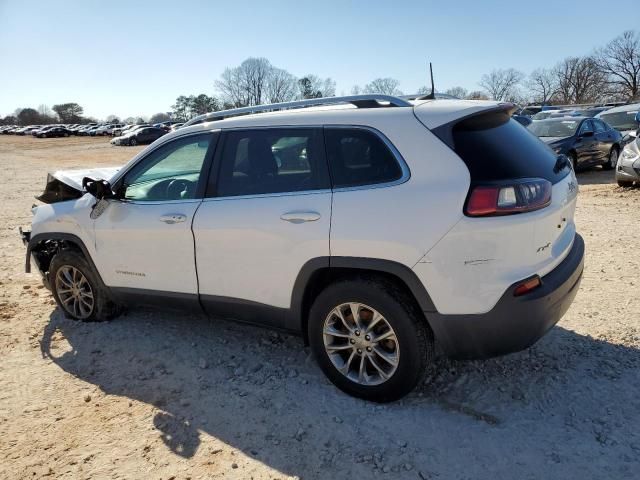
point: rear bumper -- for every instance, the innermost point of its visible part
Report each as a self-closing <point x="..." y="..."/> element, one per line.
<point x="515" y="323"/>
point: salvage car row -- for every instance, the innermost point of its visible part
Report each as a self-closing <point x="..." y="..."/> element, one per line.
<point x="608" y="138"/>
<point x="131" y="134"/>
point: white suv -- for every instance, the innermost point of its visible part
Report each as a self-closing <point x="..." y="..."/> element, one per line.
<point x="373" y="226"/>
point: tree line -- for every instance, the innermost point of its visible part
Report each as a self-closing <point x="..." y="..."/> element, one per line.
<point x="609" y="73"/>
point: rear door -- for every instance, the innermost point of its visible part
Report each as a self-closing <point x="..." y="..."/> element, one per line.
<point x="604" y="138"/>
<point x="268" y="214"/>
<point x="587" y="144"/>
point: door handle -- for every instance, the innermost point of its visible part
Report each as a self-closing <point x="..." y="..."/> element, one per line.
<point x="300" y="217"/>
<point x="173" y="218"/>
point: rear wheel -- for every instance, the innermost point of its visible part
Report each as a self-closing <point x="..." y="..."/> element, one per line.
<point x="133" y="142"/>
<point x="370" y="339"/>
<point x="77" y="289"/>
<point x="612" y="160"/>
<point x="624" y="183"/>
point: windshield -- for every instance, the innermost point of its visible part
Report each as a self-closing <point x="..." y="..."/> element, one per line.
<point x="621" y="120"/>
<point x="554" y="128"/>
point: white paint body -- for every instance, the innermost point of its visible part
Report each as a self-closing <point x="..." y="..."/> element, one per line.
<point x="239" y="247"/>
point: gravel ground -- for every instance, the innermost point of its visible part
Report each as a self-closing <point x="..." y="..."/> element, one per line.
<point x="164" y="395"/>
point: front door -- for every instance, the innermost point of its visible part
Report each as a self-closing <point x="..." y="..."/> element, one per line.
<point x="143" y="238"/>
<point x="268" y="215"/>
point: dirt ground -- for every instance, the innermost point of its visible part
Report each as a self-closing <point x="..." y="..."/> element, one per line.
<point x="175" y="396"/>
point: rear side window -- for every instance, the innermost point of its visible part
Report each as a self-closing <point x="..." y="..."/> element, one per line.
<point x="359" y="157"/>
<point x="496" y="147"/>
<point x="272" y="160"/>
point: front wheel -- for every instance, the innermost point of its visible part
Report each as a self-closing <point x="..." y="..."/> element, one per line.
<point x="612" y="160"/>
<point x="77" y="289"/>
<point x="574" y="160"/>
<point x="370" y="339"/>
<point x="133" y="142"/>
<point x="624" y="183"/>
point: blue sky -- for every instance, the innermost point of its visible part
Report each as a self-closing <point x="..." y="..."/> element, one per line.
<point x="135" y="57"/>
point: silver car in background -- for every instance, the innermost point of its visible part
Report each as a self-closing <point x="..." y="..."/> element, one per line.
<point x="628" y="168"/>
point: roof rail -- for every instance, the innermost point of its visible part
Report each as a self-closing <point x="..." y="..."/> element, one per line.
<point x="360" y="101"/>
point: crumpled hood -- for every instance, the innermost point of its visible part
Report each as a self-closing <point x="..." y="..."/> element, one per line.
<point x="73" y="178"/>
<point x="549" y="140"/>
<point x="66" y="185"/>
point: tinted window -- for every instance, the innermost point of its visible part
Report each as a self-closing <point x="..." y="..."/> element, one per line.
<point x="272" y="161"/>
<point x="170" y="172"/>
<point x="586" y="127"/>
<point x="495" y="147"/>
<point x="599" y="126"/>
<point x="359" y="157"/>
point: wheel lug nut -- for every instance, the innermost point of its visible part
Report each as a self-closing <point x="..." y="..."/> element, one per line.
<point x="359" y="350"/>
<point x="357" y="333"/>
<point x="368" y="349"/>
<point x="352" y="341"/>
<point x="367" y="337"/>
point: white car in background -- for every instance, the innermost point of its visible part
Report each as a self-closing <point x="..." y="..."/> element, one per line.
<point x="625" y="119"/>
<point x="371" y="225"/>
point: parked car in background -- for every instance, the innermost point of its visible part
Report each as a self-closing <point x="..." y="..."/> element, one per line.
<point x="28" y="130"/>
<point x="55" y="131"/>
<point x="107" y="129"/>
<point x="523" y="120"/>
<point x="625" y="119"/>
<point x="555" y="112"/>
<point x="586" y="141"/>
<point x="117" y="131"/>
<point x="591" y="111"/>
<point x="140" y="136"/>
<point x="628" y="169"/>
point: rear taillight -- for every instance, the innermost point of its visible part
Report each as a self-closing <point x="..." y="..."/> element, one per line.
<point x="508" y="197"/>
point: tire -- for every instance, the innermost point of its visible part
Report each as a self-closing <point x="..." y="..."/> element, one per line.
<point x="612" y="159"/>
<point x="66" y="134"/>
<point x="410" y="342"/>
<point x="574" y="160"/>
<point x="624" y="183"/>
<point x="62" y="273"/>
<point x="133" y="142"/>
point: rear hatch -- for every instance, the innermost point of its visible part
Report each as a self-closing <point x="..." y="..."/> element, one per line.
<point x="493" y="251"/>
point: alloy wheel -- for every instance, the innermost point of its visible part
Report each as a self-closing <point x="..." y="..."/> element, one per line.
<point x="74" y="292"/>
<point x="361" y="344"/>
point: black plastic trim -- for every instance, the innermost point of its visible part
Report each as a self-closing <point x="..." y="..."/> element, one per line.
<point x="169" y="300"/>
<point x="69" y="237"/>
<point x="515" y="323"/>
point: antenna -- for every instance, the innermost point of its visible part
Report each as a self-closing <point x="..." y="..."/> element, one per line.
<point x="432" y="95"/>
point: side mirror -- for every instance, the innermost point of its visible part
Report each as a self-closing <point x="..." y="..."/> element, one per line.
<point x="587" y="134"/>
<point x="638" y="117"/>
<point x="634" y="134"/>
<point x="100" y="189"/>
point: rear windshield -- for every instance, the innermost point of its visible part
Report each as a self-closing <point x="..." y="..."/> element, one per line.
<point x="621" y="120"/>
<point x="496" y="147"/>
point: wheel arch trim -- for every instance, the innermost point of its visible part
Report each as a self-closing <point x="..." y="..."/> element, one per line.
<point x="305" y="279"/>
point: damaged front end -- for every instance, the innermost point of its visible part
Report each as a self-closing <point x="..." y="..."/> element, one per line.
<point x="66" y="185"/>
<point x="61" y="186"/>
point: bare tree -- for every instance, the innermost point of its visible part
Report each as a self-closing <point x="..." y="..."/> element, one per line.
<point x="356" y="90"/>
<point x="312" y="86"/>
<point x="477" y="95"/>
<point x="281" y="87"/>
<point x="458" y="92"/>
<point x="542" y="85"/>
<point x="500" y="84"/>
<point x="386" y="86"/>
<point x="619" y="60"/>
<point x="579" y="80"/>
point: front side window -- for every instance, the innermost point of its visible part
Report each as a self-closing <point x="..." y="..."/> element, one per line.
<point x="359" y="157"/>
<point x="272" y="160"/>
<point x="171" y="172"/>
